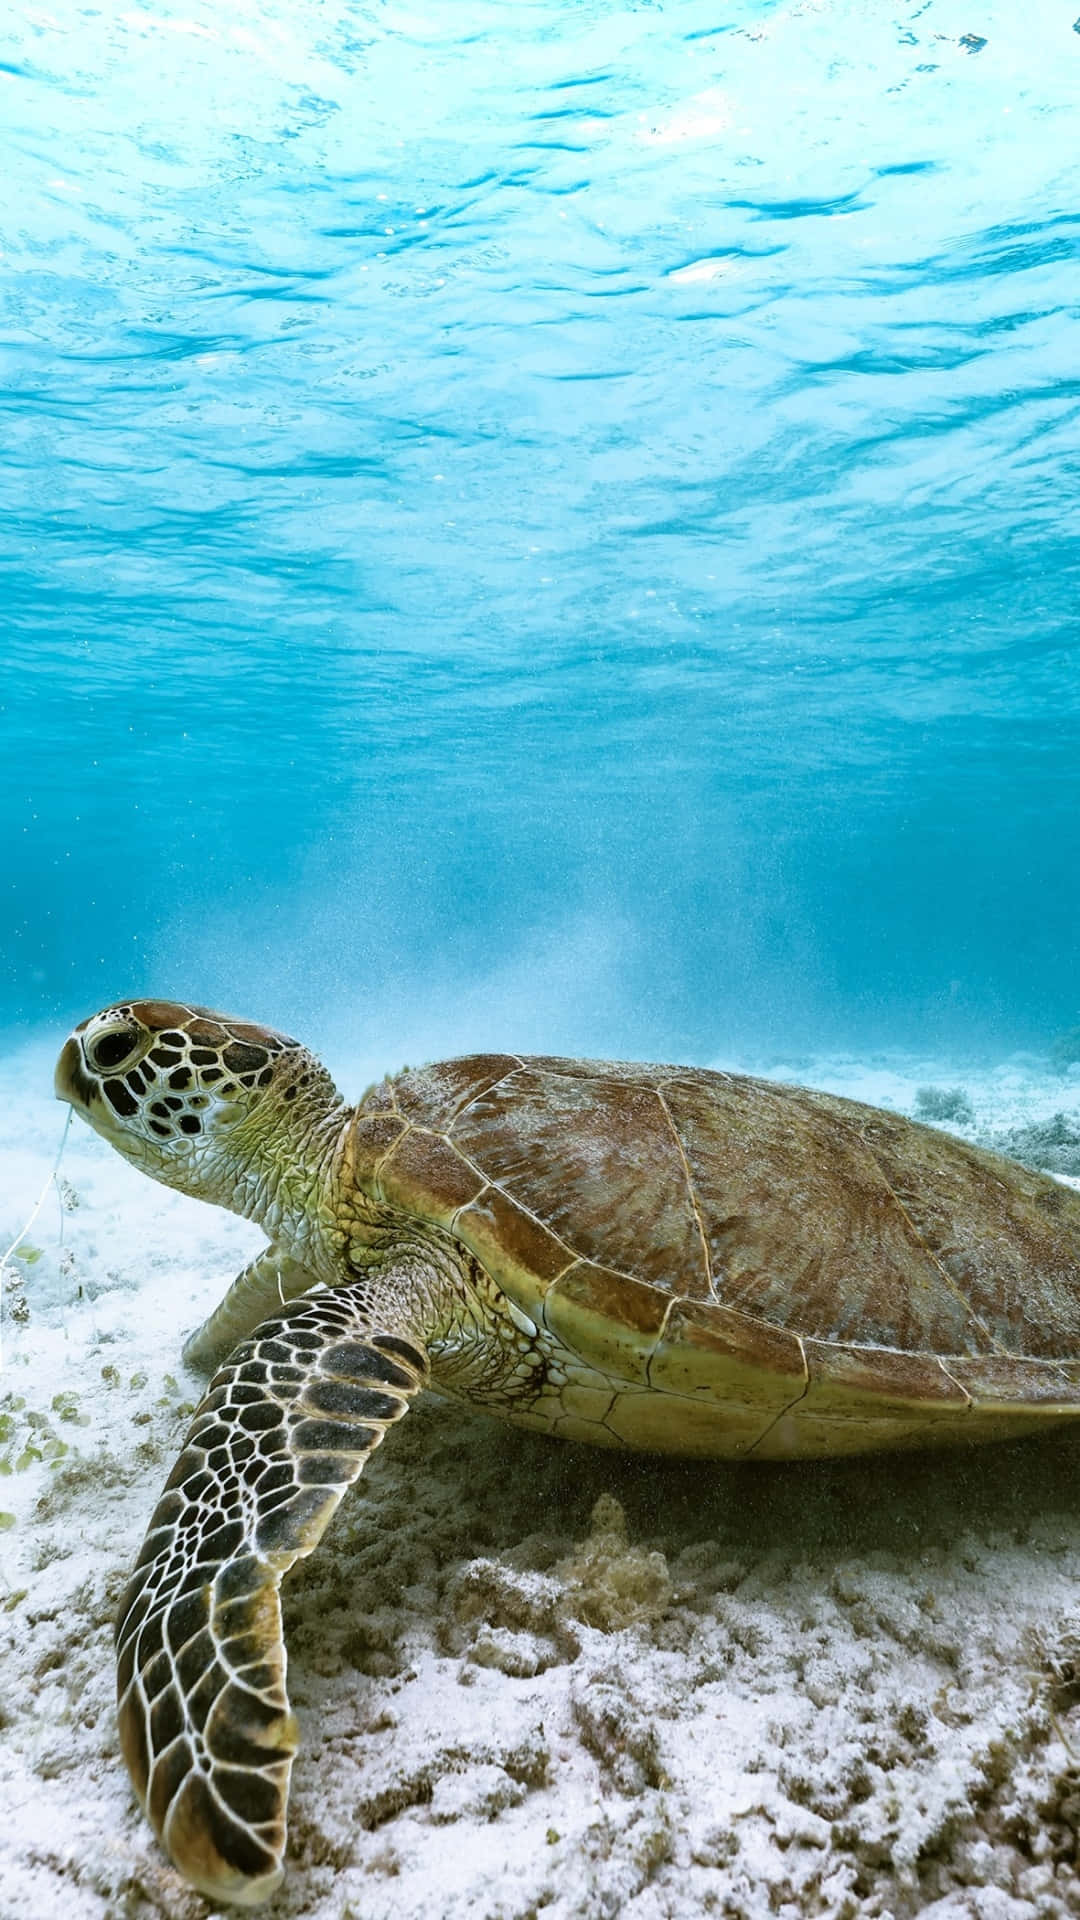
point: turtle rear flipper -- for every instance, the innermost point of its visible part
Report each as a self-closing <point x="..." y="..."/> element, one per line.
<point x="204" y="1717"/>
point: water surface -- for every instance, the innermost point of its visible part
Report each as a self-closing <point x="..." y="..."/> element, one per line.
<point x="544" y="524"/>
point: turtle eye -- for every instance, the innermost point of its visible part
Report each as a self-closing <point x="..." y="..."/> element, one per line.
<point x="109" y="1050"/>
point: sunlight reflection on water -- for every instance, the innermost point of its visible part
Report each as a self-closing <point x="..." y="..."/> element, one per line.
<point x="478" y="472"/>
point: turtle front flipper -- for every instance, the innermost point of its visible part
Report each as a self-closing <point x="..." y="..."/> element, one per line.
<point x="204" y="1717"/>
<point x="266" y="1283"/>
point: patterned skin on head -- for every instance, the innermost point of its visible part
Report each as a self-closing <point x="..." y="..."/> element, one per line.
<point x="643" y="1256"/>
<point x="246" y="1117"/>
<point x="169" y="1084"/>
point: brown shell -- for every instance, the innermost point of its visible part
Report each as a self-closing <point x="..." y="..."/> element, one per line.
<point x="673" y="1224"/>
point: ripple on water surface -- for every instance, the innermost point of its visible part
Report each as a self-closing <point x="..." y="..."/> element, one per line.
<point x="482" y="474"/>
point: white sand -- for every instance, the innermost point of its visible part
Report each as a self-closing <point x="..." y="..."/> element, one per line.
<point x="742" y="1691"/>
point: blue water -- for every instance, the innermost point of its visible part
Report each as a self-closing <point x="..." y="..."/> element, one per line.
<point x="551" y="524"/>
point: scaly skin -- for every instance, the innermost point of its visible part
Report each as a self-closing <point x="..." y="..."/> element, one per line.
<point x="245" y="1118"/>
<point x="268" y="1282"/>
<point x="717" y="1265"/>
<point x="204" y="1718"/>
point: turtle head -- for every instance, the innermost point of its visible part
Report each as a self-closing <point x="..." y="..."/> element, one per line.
<point x="215" y="1106"/>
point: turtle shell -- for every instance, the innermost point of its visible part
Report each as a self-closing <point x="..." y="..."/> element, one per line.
<point x="765" y="1268"/>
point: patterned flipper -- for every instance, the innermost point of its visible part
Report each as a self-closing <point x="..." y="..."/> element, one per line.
<point x="204" y="1718"/>
<point x="261" y="1289"/>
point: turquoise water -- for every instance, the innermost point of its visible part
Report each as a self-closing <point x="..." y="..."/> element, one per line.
<point x="550" y="524"/>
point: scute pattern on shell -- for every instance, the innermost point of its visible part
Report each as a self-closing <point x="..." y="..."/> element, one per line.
<point x="761" y="1206"/>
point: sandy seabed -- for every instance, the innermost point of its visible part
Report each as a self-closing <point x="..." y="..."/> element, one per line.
<point x="532" y="1678"/>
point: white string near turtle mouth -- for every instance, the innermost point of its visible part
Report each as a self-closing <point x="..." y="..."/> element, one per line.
<point x="38" y="1204"/>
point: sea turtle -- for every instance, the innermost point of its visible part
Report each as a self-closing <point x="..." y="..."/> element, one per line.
<point x="643" y="1256"/>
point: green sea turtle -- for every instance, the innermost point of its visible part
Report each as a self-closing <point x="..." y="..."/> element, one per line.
<point x="643" y="1256"/>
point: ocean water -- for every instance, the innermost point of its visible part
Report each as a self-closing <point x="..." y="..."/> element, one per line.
<point x="543" y="524"/>
<point x="552" y="525"/>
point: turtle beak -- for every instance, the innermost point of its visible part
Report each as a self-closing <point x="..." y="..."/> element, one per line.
<point x="71" y="1081"/>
